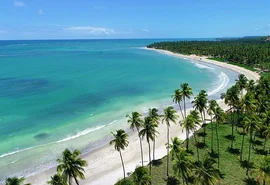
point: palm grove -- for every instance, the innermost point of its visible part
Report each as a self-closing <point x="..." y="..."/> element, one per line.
<point x="248" y="115"/>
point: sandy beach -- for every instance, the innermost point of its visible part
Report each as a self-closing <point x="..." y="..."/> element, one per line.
<point x="104" y="166"/>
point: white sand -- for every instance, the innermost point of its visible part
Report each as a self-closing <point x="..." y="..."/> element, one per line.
<point x="104" y="163"/>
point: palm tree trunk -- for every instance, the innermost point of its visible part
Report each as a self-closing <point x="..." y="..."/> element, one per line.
<point x="204" y="128"/>
<point x="232" y="130"/>
<point x="254" y="140"/>
<point x="185" y="106"/>
<point x="187" y="137"/>
<point x="250" y="141"/>
<point x="181" y="110"/>
<point x="183" y="177"/>
<point x="242" y="147"/>
<point x="217" y="141"/>
<point x="150" y="165"/>
<point x="168" y="143"/>
<point x="122" y="164"/>
<point x="195" y="139"/>
<point x="140" y="145"/>
<point x="154" y="145"/>
<point x="212" y="137"/>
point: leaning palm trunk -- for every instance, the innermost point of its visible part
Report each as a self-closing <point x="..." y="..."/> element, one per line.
<point x="77" y="182"/>
<point x="140" y="144"/>
<point x="204" y="127"/>
<point x="212" y="132"/>
<point x="122" y="164"/>
<point x="150" y="165"/>
<point x="154" y="146"/>
<point x="185" y="106"/>
<point x="250" y="141"/>
<point x="168" y="144"/>
<point x="232" y="118"/>
<point x="217" y="143"/>
<point x="242" y="147"/>
<point x="180" y="108"/>
<point x="187" y="138"/>
<point x="195" y="139"/>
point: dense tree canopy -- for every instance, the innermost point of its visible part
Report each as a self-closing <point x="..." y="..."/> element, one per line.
<point x="253" y="51"/>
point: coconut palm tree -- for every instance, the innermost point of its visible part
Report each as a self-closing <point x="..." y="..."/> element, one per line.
<point x="182" y="165"/>
<point x="57" y="179"/>
<point x="244" y="123"/>
<point x="149" y="132"/>
<point x="178" y="98"/>
<point x="71" y="166"/>
<point x="200" y="104"/>
<point x="188" y="124"/>
<point x="175" y="146"/>
<point x="136" y="122"/>
<point x="120" y="142"/>
<point x="15" y="181"/>
<point x="206" y="173"/>
<point x="169" y="116"/>
<point x="212" y="105"/>
<point x="219" y="117"/>
<point x="232" y="99"/>
<point x="264" y="170"/>
<point x="153" y="114"/>
<point x="141" y="176"/>
<point x="196" y="119"/>
<point x="251" y="125"/>
<point x="242" y="82"/>
<point x="187" y="92"/>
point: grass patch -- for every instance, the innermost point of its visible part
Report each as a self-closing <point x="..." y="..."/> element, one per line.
<point x="233" y="171"/>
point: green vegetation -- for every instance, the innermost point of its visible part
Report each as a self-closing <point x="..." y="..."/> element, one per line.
<point x="247" y="52"/>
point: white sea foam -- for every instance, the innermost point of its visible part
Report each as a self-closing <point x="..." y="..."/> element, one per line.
<point x="113" y="122"/>
<point x="203" y="66"/>
<point x="222" y="83"/>
<point x="82" y="133"/>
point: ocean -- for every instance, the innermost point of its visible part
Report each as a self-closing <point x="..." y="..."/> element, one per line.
<point x="59" y="94"/>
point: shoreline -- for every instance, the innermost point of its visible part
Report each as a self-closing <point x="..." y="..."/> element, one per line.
<point x="99" y="172"/>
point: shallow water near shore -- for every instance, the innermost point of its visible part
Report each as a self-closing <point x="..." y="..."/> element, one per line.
<point x="73" y="93"/>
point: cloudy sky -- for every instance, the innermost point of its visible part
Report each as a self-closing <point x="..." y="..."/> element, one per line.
<point x="101" y="19"/>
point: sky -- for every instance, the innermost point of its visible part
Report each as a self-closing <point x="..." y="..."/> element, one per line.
<point x="111" y="19"/>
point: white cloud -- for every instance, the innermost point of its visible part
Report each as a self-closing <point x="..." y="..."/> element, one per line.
<point x="18" y="3"/>
<point x="145" y="30"/>
<point x="40" y="12"/>
<point x="91" y="30"/>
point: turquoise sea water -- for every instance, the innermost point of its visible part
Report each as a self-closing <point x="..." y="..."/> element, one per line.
<point x="72" y="93"/>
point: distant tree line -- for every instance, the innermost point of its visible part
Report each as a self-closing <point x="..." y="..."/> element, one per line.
<point x="253" y="51"/>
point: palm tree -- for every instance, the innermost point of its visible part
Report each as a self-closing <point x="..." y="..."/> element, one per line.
<point x="244" y="123"/>
<point x="141" y="176"/>
<point x="175" y="146"/>
<point x="219" y="117"/>
<point x="206" y="173"/>
<point x="120" y="142"/>
<point x="211" y="111"/>
<point x="187" y="92"/>
<point x="232" y="99"/>
<point x="200" y="104"/>
<point x="71" y="166"/>
<point x="57" y="179"/>
<point x="149" y="131"/>
<point x="178" y="98"/>
<point x="182" y="165"/>
<point x="136" y="122"/>
<point x="264" y="170"/>
<point x="153" y="114"/>
<point x="190" y="125"/>
<point x="169" y="116"/>
<point x="251" y="124"/>
<point x="196" y="119"/>
<point x="242" y="82"/>
<point x="15" y="181"/>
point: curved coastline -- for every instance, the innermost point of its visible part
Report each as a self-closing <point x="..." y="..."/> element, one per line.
<point x="99" y="172"/>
